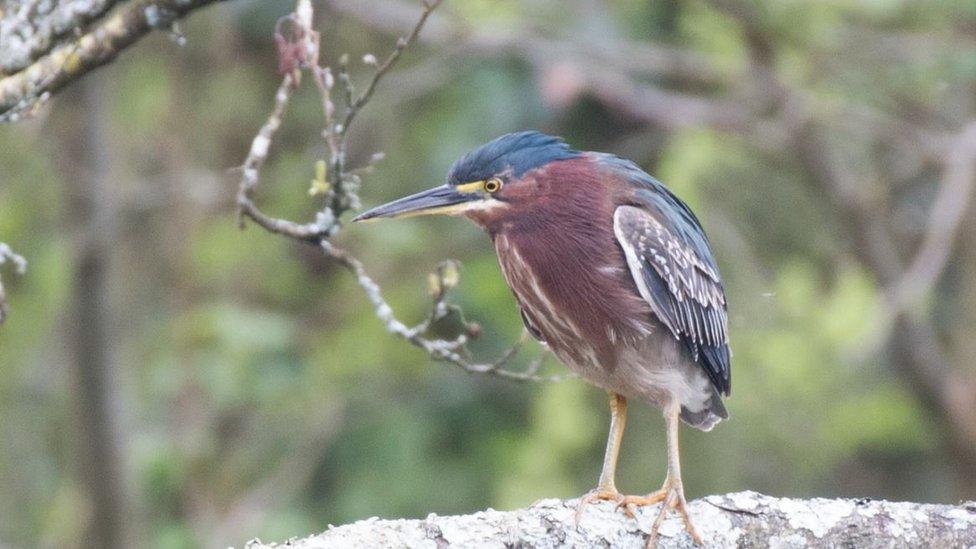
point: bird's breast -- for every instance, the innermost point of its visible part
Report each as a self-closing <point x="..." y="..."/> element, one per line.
<point x="576" y="292"/>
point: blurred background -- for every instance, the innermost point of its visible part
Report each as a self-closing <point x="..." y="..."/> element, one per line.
<point x="168" y="380"/>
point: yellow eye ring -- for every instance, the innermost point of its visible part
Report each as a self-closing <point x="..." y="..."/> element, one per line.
<point x="493" y="185"/>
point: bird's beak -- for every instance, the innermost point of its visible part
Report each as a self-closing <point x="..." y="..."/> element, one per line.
<point x="445" y="199"/>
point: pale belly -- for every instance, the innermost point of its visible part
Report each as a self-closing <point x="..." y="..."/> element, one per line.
<point x="654" y="369"/>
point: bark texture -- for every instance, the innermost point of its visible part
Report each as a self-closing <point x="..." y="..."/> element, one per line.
<point x="744" y="519"/>
<point x="31" y="28"/>
<point x="46" y="45"/>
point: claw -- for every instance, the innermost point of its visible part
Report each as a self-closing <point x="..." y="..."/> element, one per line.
<point x="608" y="494"/>
<point x="674" y="498"/>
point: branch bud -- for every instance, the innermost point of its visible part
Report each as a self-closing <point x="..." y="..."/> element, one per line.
<point x="320" y="185"/>
<point x="449" y="273"/>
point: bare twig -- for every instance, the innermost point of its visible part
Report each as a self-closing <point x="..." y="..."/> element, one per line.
<point x="402" y="44"/>
<point x="438" y="349"/>
<point x="20" y="267"/>
<point x="250" y="177"/>
<point x="299" y="51"/>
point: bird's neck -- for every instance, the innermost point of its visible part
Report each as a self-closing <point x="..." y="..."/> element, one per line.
<point x="570" y="267"/>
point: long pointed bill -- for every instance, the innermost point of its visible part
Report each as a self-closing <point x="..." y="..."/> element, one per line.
<point x="444" y="199"/>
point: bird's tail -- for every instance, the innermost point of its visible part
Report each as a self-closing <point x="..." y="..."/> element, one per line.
<point x="706" y="418"/>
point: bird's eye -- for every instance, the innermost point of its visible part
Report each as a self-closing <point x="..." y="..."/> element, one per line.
<point x="493" y="185"/>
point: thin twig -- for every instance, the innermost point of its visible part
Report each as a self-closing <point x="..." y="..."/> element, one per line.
<point x="402" y="44"/>
<point x="338" y="205"/>
<point x="258" y="153"/>
<point x="438" y="349"/>
<point x="20" y="267"/>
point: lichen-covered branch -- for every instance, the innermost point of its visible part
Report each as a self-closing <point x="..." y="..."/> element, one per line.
<point x="744" y="519"/>
<point x="31" y="28"/>
<point x="336" y="186"/>
<point x="27" y="33"/>
<point x="20" y="266"/>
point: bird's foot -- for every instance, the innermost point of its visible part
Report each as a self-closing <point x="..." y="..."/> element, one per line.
<point x="631" y="503"/>
<point x="672" y="495"/>
<point x="608" y="494"/>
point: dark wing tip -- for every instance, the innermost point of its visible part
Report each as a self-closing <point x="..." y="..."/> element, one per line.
<point x="716" y="360"/>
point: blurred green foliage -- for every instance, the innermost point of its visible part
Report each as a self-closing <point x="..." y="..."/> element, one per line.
<point x="262" y="398"/>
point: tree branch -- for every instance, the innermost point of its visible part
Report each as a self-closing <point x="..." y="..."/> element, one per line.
<point x="744" y="519"/>
<point x="32" y="28"/>
<point x="23" y="90"/>
<point x="20" y="267"/>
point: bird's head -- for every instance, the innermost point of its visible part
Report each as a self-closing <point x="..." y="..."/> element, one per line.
<point x="488" y="183"/>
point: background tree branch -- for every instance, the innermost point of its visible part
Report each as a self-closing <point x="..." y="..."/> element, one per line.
<point x="31" y="28"/>
<point x="744" y="519"/>
<point x="60" y="51"/>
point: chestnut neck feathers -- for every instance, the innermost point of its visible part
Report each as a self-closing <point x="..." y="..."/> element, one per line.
<point x="556" y="237"/>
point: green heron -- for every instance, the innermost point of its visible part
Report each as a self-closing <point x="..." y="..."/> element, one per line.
<point x="612" y="271"/>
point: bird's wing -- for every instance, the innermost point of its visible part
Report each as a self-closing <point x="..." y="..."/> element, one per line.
<point x="675" y="273"/>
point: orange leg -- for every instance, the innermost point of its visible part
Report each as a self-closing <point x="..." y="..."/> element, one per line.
<point x="607" y="489"/>
<point x="673" y="492"/>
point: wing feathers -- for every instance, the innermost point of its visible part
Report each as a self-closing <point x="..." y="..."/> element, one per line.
<point x="682" y="288"/>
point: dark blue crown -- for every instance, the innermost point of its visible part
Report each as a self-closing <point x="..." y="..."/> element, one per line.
<point x="518" y="152"/>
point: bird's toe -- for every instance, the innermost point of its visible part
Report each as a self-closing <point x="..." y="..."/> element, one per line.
<point x="598" y="494"/>
<point x="631" y="503"/>
<point x="674" y="498"/>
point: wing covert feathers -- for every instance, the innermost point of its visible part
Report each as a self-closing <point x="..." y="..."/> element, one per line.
<point x="682" y="288"/>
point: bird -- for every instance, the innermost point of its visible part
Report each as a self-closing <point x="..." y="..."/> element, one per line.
<point x="610" y="270"/>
